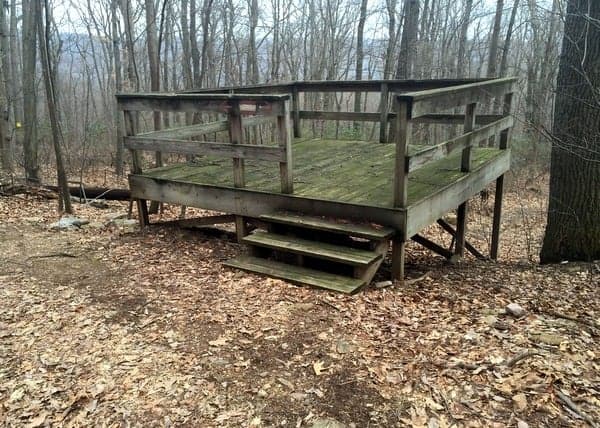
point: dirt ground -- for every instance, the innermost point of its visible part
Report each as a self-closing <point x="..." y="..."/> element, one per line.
<point x="112" y="326"/>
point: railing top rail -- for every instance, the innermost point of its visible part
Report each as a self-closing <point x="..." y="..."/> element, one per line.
<point x="394" y="85"/>
<point x="271" y="104"/>
<point x="201" y="96"/>
<point x="428" y="101"/>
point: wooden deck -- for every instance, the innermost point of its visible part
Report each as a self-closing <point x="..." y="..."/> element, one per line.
<point x="302" y="188"/>
<point x="351" y="172"/>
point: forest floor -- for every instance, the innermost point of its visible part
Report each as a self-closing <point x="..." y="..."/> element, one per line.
<point x="113" y="326"/>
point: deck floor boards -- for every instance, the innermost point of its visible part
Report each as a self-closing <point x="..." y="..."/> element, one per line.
<point x="355" y="172"/>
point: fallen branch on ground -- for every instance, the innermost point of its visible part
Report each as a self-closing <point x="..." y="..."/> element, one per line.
<point x="574" y="408"/>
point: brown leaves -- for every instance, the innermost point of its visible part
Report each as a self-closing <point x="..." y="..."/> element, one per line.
<point x="149" y="327"/>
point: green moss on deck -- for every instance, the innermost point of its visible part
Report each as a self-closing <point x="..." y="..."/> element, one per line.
<point x="356" y="172"/>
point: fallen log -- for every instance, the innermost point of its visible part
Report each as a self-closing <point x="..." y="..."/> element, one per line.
<point x="96" y="193"/>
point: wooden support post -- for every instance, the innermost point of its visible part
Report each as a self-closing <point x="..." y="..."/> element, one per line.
<point x="136" y="165"/>
<point x="383" y="122"/>
<point x="398" y="256"/>
<point x="503" y="145"/>
<point x="401" y="135"/>
<point x="296" y="109"/>
<point x="236" y="135"/>
<point x="465" y="166"/>
<point x="497" y="217"/>
<point x="284" y="131"/>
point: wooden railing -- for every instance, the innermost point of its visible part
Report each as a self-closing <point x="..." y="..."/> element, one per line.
<point x="423" y="107"/>
<point x="241" y="110"/>
<point x="385" y="89"/>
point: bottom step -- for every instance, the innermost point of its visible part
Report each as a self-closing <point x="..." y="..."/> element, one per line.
<point x="297" y="274"/>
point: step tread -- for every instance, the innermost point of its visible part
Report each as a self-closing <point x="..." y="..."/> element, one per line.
<point x="317" y="249"/>
<point x="319" y="223"/>
<point x="296" y="274"/>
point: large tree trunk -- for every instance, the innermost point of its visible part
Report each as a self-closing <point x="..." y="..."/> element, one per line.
<point x="573" y="229"/>
<point x="30" y="140"/>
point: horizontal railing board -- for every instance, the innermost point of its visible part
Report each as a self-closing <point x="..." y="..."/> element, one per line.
<point x="439" y="151"/>
<point x="266" y="104"/>
<point x="449" y="119"/>
<point x="186" y="147"/>
<point x="188" y="131"/>
<point x="340" y="115"/>
<point x="429" y="101"/>
<point x="456" y="119"/>
<point x="203" y="128"/>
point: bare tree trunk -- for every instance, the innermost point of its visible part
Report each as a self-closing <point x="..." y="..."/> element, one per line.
<point x="5" y="140"/>
<point x="359" y="57"/>
<point x="132" y="71"/>
<point x="462" y="40"/>
<point x="507" y="39"/>
<point x="408" y="44"/>
<point x="391" y="45"/>
<point x="43" y="27"/>
<point x="493" y="56"/>
<point x="252" y="61"/>
<point x="30" y="141"/>
<point x="118" y="88"/>
<point x="154" y="64"/>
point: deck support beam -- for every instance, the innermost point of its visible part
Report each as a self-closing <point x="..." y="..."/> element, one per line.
<point x="432" y="246"/>
<point x="468" y="246"/>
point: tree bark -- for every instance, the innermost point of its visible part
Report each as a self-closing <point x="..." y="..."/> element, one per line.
<point x="507" y="39"/>
<point x="573" y="228"/>
<point x="462" y="40"/>
<point x="43" y="27"/>
<point x="30" y="140"/>
<point x="359" y="58"/>
<point x="494" y="38"/>
<point x="116" y="46"/>
<point x="408" y="43"/>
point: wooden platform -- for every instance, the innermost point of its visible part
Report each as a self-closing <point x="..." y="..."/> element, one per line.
<point x="307" y="191"/>
<point x="355" y="173"/>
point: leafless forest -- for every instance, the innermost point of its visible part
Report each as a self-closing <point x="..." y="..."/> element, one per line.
<point x="95" y="49"/>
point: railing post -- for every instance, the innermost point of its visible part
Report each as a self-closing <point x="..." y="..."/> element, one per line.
<point x="296" y="109"/>
<point x="401" y="135"/>
<point x="503" y="145"/>
<point x="131" y="127"/>
<point x="284" y="131"/>
<point x="236" y="135"/>
<point x="383" y="121"/>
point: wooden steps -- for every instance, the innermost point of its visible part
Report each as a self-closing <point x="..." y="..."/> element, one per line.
<point x="333" y="254"/>
<point x="318" y="223"/>
<point x="317" y="249"/>
<point x="296" y="274"/>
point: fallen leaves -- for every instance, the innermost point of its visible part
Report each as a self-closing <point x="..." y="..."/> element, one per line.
<point x="149" y="327"/>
